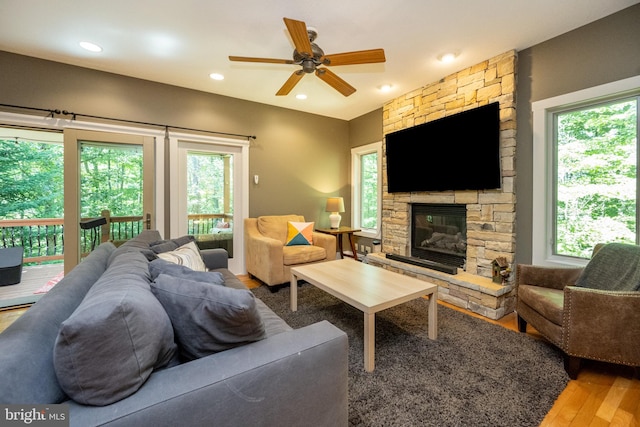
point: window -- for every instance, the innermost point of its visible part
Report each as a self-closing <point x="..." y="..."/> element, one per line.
<point x="587" y="144"/>
<point x="595" y="178"/>
<point x="366" y="188"/>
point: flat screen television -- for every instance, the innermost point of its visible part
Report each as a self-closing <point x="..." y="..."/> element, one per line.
<point x="457" y="152"/>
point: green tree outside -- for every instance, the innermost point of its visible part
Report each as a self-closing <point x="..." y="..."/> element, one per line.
<point x="31" y="179"/>
<point x="369" y="185"/>
<point x="596" y="177"/>
<point x="206" y="183"/>
<point x="111" y="178"/>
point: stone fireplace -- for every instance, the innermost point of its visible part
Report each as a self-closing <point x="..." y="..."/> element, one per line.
<point x="488" y="231"/>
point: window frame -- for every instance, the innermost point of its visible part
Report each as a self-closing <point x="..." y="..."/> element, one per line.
<point x="544" y="162"/>
<point x="356" y="188"/>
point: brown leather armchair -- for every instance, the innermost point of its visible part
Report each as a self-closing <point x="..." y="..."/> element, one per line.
<point x="589" y="313"/>
<point x="269" y="259"/>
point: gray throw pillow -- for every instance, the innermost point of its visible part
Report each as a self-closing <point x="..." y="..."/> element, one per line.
<point x="117" y="336"/>
<point x="171" y="245"/>
<point x="161" y="266"/>
<point x="615" y="267"/>
<point x="208" y="319"/>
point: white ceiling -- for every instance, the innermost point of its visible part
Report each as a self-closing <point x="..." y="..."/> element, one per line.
<point x="182" y="42"/>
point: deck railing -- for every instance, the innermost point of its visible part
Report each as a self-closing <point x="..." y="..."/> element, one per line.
<point x="43" y="238"/>
<point x="203" y="223"/>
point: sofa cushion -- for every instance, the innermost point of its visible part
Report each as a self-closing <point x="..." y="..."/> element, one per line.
<point x="299" y="233"/>
<point x="230" y="279"/>
<point x="26" y="346"/>
<point x="293" y="255"/>
<point x="119" y="333"/>
<point x="207" y="318"/>
<point x="171" y="245"/>
<point x="273" y="324"/>
<point x="186" y="255"/>
<point x="140" y="243"/>
<point x="161" y="266"/>
<point x="275" y="226"/>
<point x="546" y="301"/>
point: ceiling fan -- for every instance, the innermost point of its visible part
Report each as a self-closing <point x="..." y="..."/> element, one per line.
<point x="312" y="59"/>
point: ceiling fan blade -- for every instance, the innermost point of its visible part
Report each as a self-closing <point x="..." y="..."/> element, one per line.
<point x="290" y="83"/>
<point x="267" y="60"/>
<point x="334" y="81"/>
<point x="358" y="57"/>
<point x="298" y="31"/>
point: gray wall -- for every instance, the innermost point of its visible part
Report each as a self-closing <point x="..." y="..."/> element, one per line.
<point x="301" y="158"/>
<point x="601" y="52"/>
<point x="366" y="129"/>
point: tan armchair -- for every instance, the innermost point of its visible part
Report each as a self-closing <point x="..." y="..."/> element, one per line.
<point x="266" y="256"/>
<point x="589" y="313"/>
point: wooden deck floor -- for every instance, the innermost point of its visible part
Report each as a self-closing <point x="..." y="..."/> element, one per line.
<point x="33" y="278"/>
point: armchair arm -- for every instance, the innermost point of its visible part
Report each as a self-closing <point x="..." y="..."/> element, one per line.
<point x="547" y="277"/>
<point x="265" y="248"/>
<point x="326" y="241"/>
<point x="602" y="325"/>
<point x="263" y="255"/>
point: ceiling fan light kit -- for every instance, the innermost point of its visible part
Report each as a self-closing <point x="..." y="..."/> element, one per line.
<point x="312" y="59"/>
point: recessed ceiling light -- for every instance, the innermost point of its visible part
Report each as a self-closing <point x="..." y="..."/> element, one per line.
<point x="216" y="76"/>
<point x="91" y="47"/>
<point x="385" y="88"/>
<point x="301" y="96"/>
<point x="447" y="57"/>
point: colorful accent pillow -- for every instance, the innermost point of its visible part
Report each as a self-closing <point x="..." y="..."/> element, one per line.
<point x="299" y="233"/>
<point x="187" y="255"/>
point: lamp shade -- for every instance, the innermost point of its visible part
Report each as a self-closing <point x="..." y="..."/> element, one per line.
<point x="335" y="204"/>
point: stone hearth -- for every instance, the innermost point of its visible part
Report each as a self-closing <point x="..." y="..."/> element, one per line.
<point x="474" y="293"/>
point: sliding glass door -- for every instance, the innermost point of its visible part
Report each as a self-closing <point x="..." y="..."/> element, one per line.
<point x="107" y="175"/>
<point x="209" y="197"/>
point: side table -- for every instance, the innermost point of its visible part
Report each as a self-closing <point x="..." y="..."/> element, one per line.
<point x="339" y="232"/>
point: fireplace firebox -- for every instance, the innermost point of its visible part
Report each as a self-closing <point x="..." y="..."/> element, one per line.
<point x="439" y="233"/>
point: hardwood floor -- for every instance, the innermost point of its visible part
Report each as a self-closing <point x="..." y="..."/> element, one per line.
<point x="603" y="395"/>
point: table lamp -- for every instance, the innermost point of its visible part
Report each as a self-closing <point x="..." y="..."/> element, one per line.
<point x="335" y="205"/>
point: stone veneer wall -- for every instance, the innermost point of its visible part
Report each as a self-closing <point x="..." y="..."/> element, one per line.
<point x="490" y="213"/>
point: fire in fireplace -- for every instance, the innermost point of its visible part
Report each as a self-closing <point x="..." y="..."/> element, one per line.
<point x="439" y="233"/>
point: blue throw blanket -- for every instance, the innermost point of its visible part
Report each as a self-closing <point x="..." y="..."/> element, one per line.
<point x="615" y="267"/>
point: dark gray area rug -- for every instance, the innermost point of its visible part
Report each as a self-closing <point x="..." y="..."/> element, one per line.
<point x="474" y="374"/>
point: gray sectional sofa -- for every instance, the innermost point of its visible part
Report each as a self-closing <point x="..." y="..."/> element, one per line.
<point x="279" y="377"/>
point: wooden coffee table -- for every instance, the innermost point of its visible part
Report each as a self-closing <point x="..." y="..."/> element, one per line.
<point x="369" y="289"/>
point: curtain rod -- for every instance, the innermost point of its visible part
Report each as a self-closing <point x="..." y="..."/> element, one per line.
<point x="73" y="115"/>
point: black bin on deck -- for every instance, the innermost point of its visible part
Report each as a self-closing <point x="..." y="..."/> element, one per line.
<point x="11" y="265"/>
